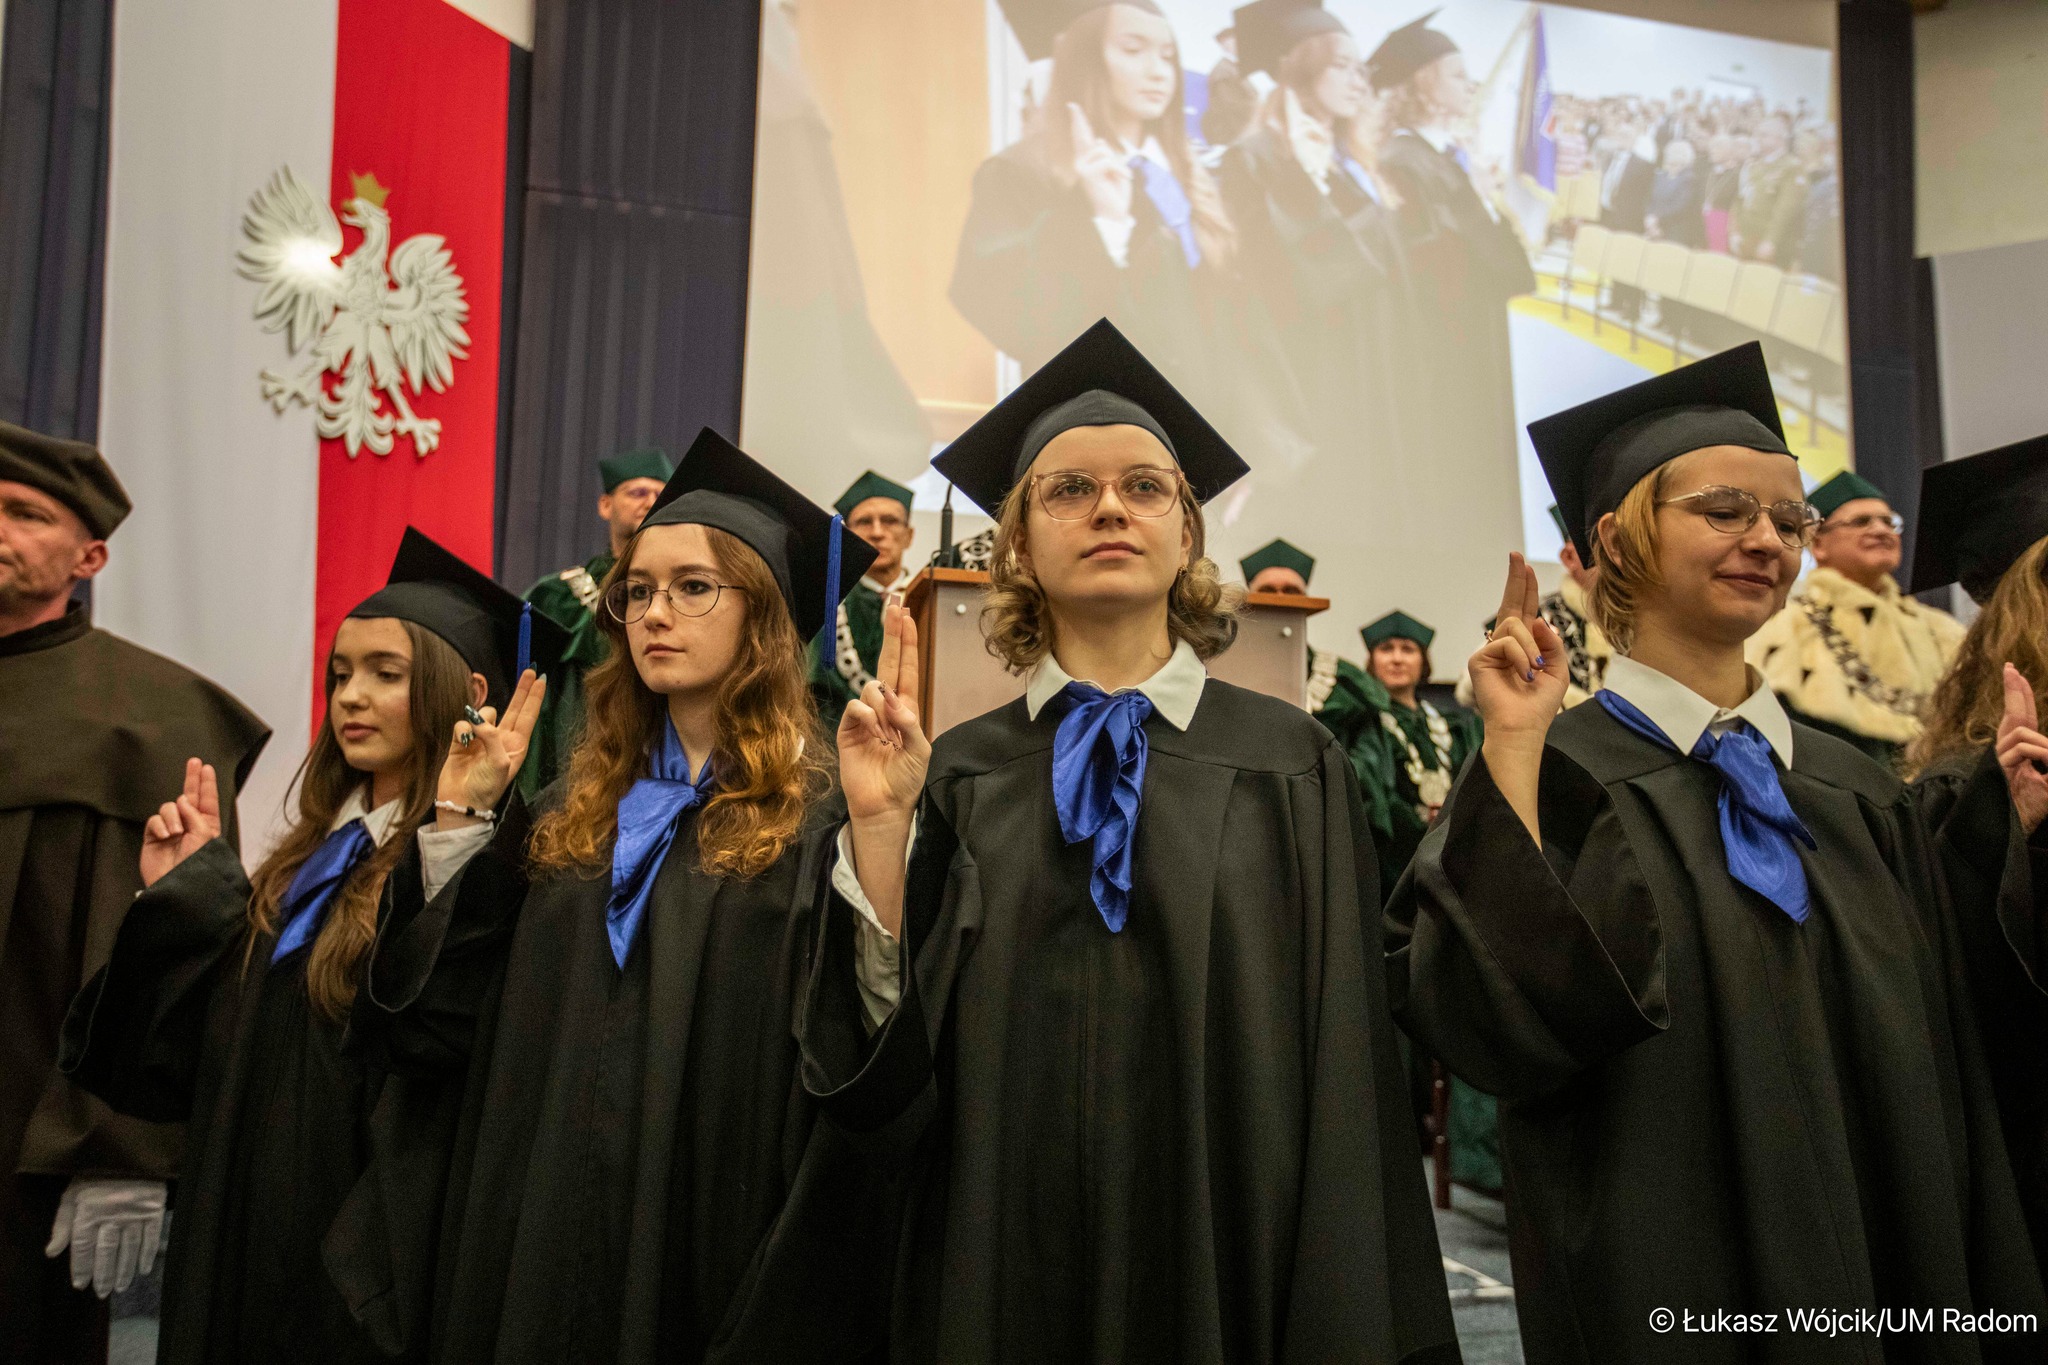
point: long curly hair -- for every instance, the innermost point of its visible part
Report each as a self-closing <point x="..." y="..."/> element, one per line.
<point x="1627" y="561"/>
<point x="439" y="689"/>
<point x="1016" y="620"/>
<point x="770" y="765"/>
<point x="1962" y="714"/>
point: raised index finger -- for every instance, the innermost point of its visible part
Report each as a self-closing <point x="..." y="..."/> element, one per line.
<point x="890" y="664"/>
<point x="1511" y="594"/>
<point x="2019" y="700"/>
<point x="907" y="671"/>
<point x="209" y="792"/>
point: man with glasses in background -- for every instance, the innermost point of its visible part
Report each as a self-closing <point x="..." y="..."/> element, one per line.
<point x="1850" y="654"/>
<point x="878" y="511"/>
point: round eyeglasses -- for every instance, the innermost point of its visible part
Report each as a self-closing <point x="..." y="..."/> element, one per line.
<point x="1070" y="495"/>
<point x="1732" y="511"/>
<point x="1869" y="521"/>
<point x="690" y="594"/>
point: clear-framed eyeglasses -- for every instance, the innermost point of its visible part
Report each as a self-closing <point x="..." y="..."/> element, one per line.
<point x="1070" y="495"/>
<point x="1869" y="521"/>
<point x="690" y="594"/>
<point x="1732" y="511"/>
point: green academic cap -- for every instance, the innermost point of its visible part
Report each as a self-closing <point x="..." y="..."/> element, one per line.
<point x="1594" y="453"/>
<point x="720" y="485"/>
<point x="72" y="472"/>
<point x="1277" y="553"/>
<point x="1397" y="625"/>
<point x="1846" y="486"/>
<point x="1406" y="51"/>
<point x="649" y="462"/>
<point x="1978" y="515"/>
<point x="1100" y="379"/>
<point x="872" y="485"/>
<point x="1267" y="30"/>
<point x="494" y="632"/>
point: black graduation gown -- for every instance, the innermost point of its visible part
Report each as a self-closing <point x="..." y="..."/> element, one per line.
<point x="1184" y="1142"/>
<point x="173" y="1028"/>
<point x="632" y="1171"/>
<point x="1704" y="1105"/>
<point x="1327" y="277"/>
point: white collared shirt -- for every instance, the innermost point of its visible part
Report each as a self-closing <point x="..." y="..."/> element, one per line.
<point x="903" y="577"/>
<point x="1174" y="691"/>
<point x="1685" y="715"/>
<point x="378" y="822"/>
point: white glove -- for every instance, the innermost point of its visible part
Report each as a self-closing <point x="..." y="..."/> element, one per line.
<point x="113" y="1228"/>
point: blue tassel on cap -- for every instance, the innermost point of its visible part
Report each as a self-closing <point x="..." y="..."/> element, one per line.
<point x="828" y="647"/>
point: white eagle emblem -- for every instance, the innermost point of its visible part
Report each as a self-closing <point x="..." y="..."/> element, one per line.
<point x="379" y="331"/>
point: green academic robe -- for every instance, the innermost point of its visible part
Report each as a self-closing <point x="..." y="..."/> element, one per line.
<point x="568" y="598"/>
<point x="860" y="645"/>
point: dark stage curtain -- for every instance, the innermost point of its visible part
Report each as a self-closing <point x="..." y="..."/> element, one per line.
<point x="54" y="77"/>
<point x="632" y="297"/>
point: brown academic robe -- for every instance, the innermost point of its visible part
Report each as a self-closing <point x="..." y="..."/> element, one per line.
<point x="94" y="734"/>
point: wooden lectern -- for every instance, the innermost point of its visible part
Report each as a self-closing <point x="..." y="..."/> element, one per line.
<point x="959" y="679"/>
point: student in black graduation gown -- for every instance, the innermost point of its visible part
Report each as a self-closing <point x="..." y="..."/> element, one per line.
<point x="1100" y="209"/>
<point x="226" y="997"/>
<point x="1320" y="258"/>
<point x="1703" y="954"/>
<point x="636" y="1172"/>
<point x="1143" y="1045"/>
<point x="1984" y="522"/>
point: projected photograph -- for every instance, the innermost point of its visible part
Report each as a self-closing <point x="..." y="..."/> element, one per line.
<point x="1370" y="240"/>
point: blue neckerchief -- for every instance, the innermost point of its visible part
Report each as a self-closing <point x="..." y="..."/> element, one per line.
<point x="1164" y="190"/>
<point x="648" y="815"/>
<point x="1758" y="824"/>
<point x="1359" y="177"/>
<point x="314" y="884"/>
<point x="1098" y="779"/>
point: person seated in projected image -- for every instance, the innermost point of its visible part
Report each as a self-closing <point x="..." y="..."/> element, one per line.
<point x="93" y="730"/>
<point x="1850" y="654"/>
<point x="631" y="480"/>
<point x="1100" y="209"/>
<point x="1321" y="263"/>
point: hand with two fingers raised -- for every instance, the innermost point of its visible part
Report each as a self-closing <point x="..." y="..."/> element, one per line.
<point x="182" y="827"/>
<point x="484" y="758"/>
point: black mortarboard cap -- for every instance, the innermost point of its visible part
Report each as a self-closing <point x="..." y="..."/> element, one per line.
<point x="1277" y="552"/>
<point x="1267" y="30"/>
<point x="871" y="485"/>
<point x="718" y="484"/>
<point x="1846" y="486"/>
<point x="1406" y="51"/>
<point x="1397" y="625"/>
<point x="1594" y="453"/>
<point x="1038" y="22"/>
<point x="648" y="462"/>
<point x="1978" y="515"/>
<point x="436" y="589"/>
<point x="72" y="472"/>
<point x="1100" y="379"/>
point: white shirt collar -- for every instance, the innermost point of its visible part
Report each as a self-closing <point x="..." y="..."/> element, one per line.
<point x="378" y="822"/>
<point x="1175" y="690"/>
<point x="1435" y="137"/>
<point x="1151" y="151"/>
<point x="1685" y="715"/>
<point x="903" y="577"/>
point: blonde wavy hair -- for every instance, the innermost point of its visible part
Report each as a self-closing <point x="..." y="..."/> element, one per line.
<point x="439" y="688"/>
<point x="770" y="764"/>
<point x="1627" y="561"/>
<point x="1016" y="619"/>
<point x="1962" y="714"/>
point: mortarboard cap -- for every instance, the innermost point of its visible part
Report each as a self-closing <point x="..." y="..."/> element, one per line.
<point x="1397" y="625"/>
<point x="1594" y="453"/>
<point x="649" y="462"/>
<point x="72" y="472"/>
<point x="1100" y="379"/>
<point x="1037" y="23"/>
<point x="1846" y="486"/>
<point x="718" y="484"/>
<point x="1978" y="515"/>
<point x="1277" y="553"/>
<point x="871" y="485"/>
<point x="436" y="589"/>
<point x="1267" y="30"/>
<point x="1406" y="51"/>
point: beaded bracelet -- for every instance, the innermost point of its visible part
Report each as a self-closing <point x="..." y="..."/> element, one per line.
<point x="489" y="817"/>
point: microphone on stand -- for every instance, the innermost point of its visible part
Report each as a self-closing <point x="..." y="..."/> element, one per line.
<point x="947" y="556"/>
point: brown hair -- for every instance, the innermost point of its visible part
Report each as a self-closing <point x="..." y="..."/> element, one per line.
<point x="1963" y="713"/>
<point x="1017" y="625"/>
<point x="770" y="761"/>
<point x="1627" y="561"/>
<point x="439" y="685"/>
<point x="1299" y="70"/>
<point x="1080" y="76"/>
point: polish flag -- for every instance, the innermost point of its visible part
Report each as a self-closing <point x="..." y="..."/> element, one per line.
<point x="253" y="534"/>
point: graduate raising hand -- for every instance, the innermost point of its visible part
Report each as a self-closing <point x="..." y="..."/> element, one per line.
<point x="182" y="827"/>
<point x="1102" y="171"/>
<point x="883" y="754"/>
<point x="1518" y="682"/>
<point x="2023" y="751"/>
<point x="487" y="755"/>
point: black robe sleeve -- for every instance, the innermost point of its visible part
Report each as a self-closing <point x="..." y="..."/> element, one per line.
<point x="135" y="1034"/>
<point x="1515" y="972"/>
